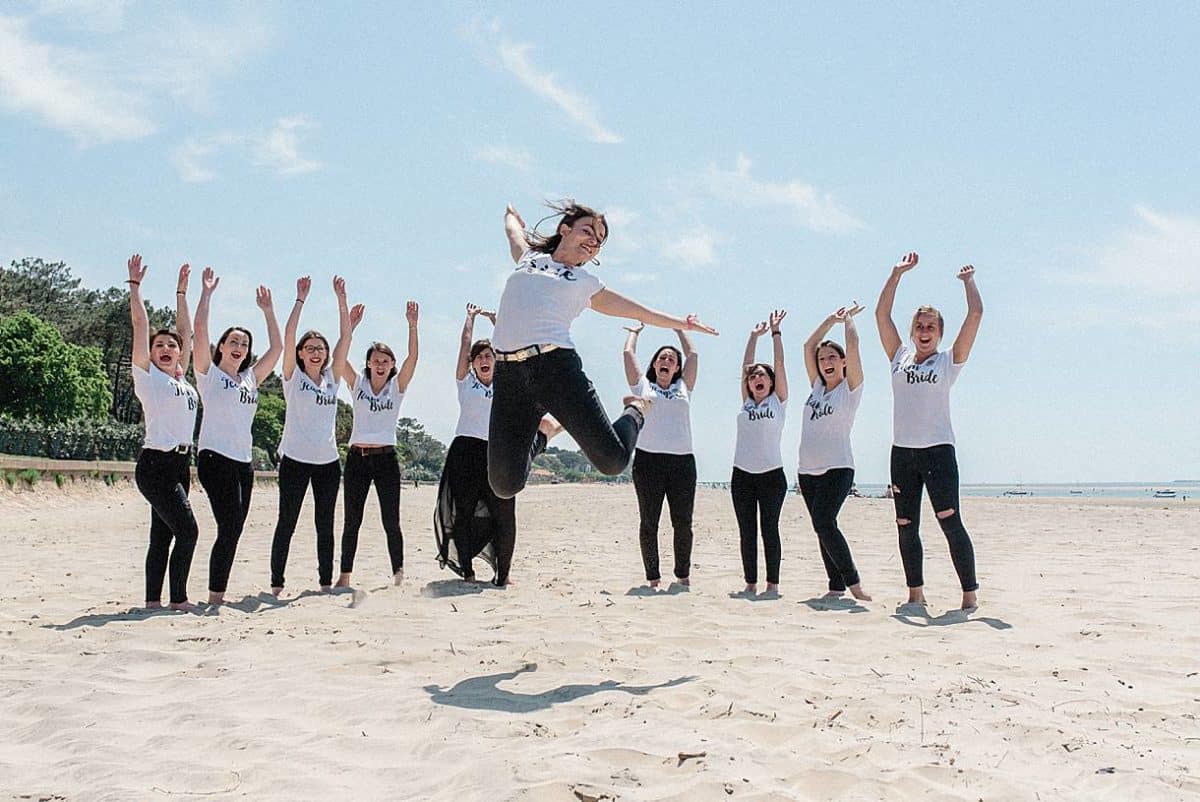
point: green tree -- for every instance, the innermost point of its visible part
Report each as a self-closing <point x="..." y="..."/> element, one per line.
<point x="42" y="376"/>
<point x="267" y="429"/>
<point x="421" y="455"/>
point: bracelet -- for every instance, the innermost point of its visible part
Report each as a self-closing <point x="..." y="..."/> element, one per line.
<point x="131" y="281"/>
<point x="299" y="301"/>
<point x="776" y="333"/>
<point x="180" y="292"/>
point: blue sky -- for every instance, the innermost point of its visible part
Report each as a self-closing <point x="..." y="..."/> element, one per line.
<point x="749" y="157"/>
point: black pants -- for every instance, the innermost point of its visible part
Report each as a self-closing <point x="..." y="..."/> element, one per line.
<point x="228" y="484"/>
<point x="936" y="469"/>
<point x="470" y="520"/>
<point x="384" y="471"/>
<point x="553" y="382"/>
<point x="824" y="496"/>
<point x="759" y="497"/>
<point x="294" y="478"/>
<point x="164" y="478"/>
<point x="673" y="477"/>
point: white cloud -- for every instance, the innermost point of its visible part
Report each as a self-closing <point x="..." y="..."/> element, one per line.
<point x="66" y="89"/>
<point x="97" y="16"/>
<point x="814" y="210"/>
<point x="1156" y="257"/>
<point x="515" y="57"/>
<point x="516" y="158"/>
<point x="693" y="248"/>
<point x="277" y="149"/>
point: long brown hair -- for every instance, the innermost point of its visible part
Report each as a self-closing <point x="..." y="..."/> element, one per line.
<point x="383" y="349"/>
<point x="568" y="213"/>
<point x="836" y="347"/>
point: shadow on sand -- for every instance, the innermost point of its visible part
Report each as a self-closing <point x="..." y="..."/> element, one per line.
<point x="246" y="604"/>
<point x="483" y="693"/>
<point x="645" y="591"/>
<point x="824" y="604"/>
<point x="915" y="615"/>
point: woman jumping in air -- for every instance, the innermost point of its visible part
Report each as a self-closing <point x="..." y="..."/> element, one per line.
<point x="538" y="369"/>
<point x="470" y="520"/>
<point x="228" y="377"/>
<point x="378" y="392"/>
<point x="922" y="437"/>
<point x="163" y="472"/>
<point x="826" y="467"/>
<point x="663" y="464"/>
<point x="758" y="484"/>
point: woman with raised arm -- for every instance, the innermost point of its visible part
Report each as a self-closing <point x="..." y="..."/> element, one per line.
<point x="826" y="467"/>
<point x="663" y="464"/>
<point x="759" y="485"/>
<point x="163" y="474"/>
<point x="922" y="437"/>
<point x="378" y="392"/>
<point x="308" y="448"/>
<point x="470" y="520"/>
<point x="227" y="377"/>
<point x="538" y="369"/>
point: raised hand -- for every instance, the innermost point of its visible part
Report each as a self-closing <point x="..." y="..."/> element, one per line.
<point x="339" y="287"/>
<point x="489" y="314"/>
<point x="185" y="272"/>
<point x="262" y="298"/>
<point x="777" y="318"/>
<point x="844" y="314"/>
<point x="473" y="310"/>
<point x="694" y="324"/>
<point x="356" y="315"/>
<point x="759" y="329"/>
<point x="303" y="285"/>
<point x="635" y="329"/>
<point x="412" y="311"/>
<point x="210" y="280"/>
<point x="966" y="273"/>
<point x="510" y="212"/>
<point x="906" y="263"/>
<point x="136" y="271"/>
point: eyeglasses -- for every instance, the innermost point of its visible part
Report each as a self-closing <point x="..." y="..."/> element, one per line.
<point x="314" y="349"/>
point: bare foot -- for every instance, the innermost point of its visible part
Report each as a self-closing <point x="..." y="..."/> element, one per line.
<point x="642" y="405"/>
<point x="834" y="594"/>
<point x="916" y="595"/>
<point x="654" y="583"/>
<point x="857" y="592"/>
<point x="216" y="598"/>
<point x="751" y="588"/>
<point x="772" y="587"/>
<point x="398" y="577"/>
<point x="685" y="581"/>
<point x="550" y="427"/>
<point x="276" y="591"/>
<point x="154" y="605"/>
<point x="970" y="601"/>
<point x="183" y="606"/>
<point x="469" y="579"/>
<point x="343" y="580"/>
<point x="327" y="588"/>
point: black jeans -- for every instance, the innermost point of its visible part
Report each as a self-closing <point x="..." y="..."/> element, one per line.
<point x="470" y="520"/>
<point x="553" y="382"/>
<point x="936" y="469"/>
<point x="228" y="484"/>
<point x="759" y="496"/>
<point x="824" y="496"/>
<point x="384" y="471"/>
<point x="294" y="478"/>
<point x="164" y="478"/>
<point x="670" y="476"/>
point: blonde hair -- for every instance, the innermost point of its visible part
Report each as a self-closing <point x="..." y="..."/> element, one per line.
<point x="928" y="310"/>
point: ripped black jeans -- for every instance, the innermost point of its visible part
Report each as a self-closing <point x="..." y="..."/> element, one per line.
<point x="936" y="469"/>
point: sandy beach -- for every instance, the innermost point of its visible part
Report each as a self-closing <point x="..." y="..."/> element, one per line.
<point x="1077" y="678"/>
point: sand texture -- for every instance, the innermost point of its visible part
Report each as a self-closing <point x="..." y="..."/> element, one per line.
<point x="1077" y="679"/>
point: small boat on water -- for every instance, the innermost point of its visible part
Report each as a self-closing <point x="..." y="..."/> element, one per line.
<point x="1075" y="492"/>
<point x="1164" y="493"/>
<point x="1021" y="492"/>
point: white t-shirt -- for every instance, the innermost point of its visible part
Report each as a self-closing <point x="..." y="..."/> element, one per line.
<point x="668" y="428"/>
<point x="229" y="406"/>
<point x="825" y="430"/>
<point x="474" y="407"/>
<point x="759" y="433"/>
<point x="308" y="426"/>
<point x="375" y="416"/>
<point x="921" y="399"/>
<point x="541" y="298"/>
<point x="169" y="406"/>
